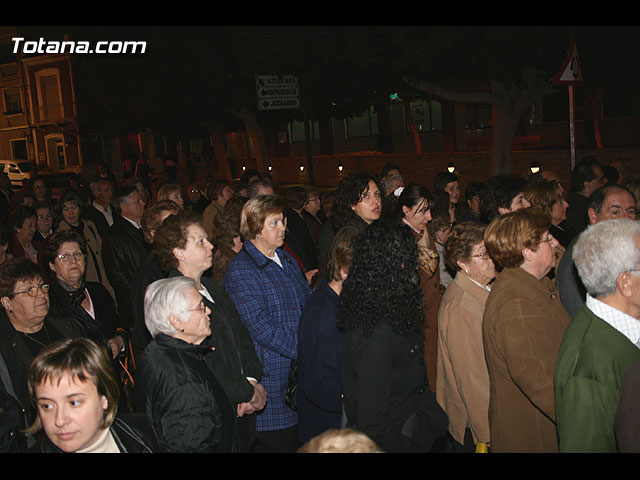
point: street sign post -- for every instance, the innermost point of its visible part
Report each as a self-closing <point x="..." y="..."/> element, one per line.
<point x="570" y="74"/>
<point x="277" y="92"/>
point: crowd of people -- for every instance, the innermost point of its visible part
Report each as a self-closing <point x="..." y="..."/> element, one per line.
<point x="380" y="316"/>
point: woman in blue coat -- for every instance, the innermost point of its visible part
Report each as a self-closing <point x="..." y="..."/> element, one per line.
<point x="269" y="291"/>
<point x="320" y="348"/>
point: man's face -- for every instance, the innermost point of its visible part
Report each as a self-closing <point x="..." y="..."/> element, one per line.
<point x="103" y="192"/>
<point x="596" y="183"/>
<point x="617" y="204"/>
<point x="134" y="207"/>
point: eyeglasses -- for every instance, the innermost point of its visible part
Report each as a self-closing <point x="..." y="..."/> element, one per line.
<point x="200" y="308"/>
<point x="483" y="256"/>
<point x="33" y="291"/>
<point x="66" y="257"/>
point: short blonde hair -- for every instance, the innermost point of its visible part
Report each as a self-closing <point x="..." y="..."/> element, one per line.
<point x="255" y="212"/>
<point x="340" y="441"/>
<point x="507" y="235"/>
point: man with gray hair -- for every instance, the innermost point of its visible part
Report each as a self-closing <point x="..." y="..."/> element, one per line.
<point x="124" y="247"/>
<point x="606" y="203"/>
<point x="602" y="340"/>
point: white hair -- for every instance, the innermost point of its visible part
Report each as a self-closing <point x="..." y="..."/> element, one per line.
<point x="604" y="251"/>
<point x="164" y="298"/>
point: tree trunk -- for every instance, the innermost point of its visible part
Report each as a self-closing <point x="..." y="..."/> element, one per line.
<point x="255" y="133"/>
<point x="216" y="137"/>
<point x="502" y="135"/>
<point x="509" y="107"/>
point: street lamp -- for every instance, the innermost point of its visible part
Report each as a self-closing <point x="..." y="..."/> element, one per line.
<point x="534" y="167"/>
<point x="451" y="167"/>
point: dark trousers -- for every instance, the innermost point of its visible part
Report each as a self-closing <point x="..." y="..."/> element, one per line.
<point x="277" y="441"/>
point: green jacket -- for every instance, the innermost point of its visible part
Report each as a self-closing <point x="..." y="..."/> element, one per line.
<point x="591" y="364"/>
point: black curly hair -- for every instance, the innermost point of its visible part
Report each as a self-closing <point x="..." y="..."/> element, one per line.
<point x="348" y="194"/>
<point x="383" y="282"/>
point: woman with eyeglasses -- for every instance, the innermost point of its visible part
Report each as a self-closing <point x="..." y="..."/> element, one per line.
<point x="26" y="327"/>
<point x="175" y="388"/>
<point x="86" y="305"/>
<point x="183" y="250"/>
<point x="462" y="388"/>
<point x="523" y="325"/>
<point x="70" y="209"/>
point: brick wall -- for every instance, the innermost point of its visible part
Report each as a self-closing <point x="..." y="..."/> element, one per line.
<point x="470" y="166"/>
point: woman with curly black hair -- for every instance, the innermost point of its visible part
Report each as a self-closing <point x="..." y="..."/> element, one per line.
<point x="357" y="203"/>
<point x="384" y="378"/>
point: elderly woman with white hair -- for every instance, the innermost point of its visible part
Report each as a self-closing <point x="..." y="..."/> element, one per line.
<point x="175" y="388"/>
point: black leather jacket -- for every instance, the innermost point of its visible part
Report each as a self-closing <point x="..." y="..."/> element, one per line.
<point x="132" y="433"/>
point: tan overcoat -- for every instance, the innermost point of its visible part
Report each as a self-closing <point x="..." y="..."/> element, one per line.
<point x="462" y="388"/>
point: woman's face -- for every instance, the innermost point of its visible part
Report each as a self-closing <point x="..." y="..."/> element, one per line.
<point x="44" y="220"/>
<point x="559" y="211"/>
<point x="28" y="311"/>
<point x="71" y="411"/>
<point x="236" y="244"/>
<point x="313" y="205"/>
<point x="273" y="231"/>
<point x="71" y="213"/>
<point x="419" y="215"/>
<point x="198" y="327"/>
<point x="177" y="197"/>
<point x="474" y="204"/>
<point x="453" y="189"/>
<point x="69" y="266"/>
<point x="544" y="258"/>
<point x="370" y="205"/>
<point x="40" y="190"/>
<point x="518" y="202"/>
<point x="197" y="253"/>
<point x="27" y="231"/>
<point x="479" y="265"/>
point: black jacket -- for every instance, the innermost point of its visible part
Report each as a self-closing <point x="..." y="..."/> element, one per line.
<point x="123" y="251"/>
<point x="234" y="358"/>
<point x="132" y="433"/>
<point x="386" y="391"/>
<point x="187" y="406"/>
<point x="149" y="272"/>
<point x="18" y="351"/>
<point x="100" y="329"/>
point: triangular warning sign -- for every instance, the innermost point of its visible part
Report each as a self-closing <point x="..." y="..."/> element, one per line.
<point x="570" y="71"/>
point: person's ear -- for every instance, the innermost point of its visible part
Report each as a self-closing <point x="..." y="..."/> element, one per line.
<point x="178" y="253"/>
<point x="593" y="216"/>
<point x="176" y="322"/>
<point x="625" y="283"/>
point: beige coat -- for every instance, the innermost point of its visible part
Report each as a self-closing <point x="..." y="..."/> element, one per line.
<point x="462" y="388"/>
<point x="523" y="325"/>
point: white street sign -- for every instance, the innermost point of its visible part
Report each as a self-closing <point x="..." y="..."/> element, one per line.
<point x="277" y="92"/>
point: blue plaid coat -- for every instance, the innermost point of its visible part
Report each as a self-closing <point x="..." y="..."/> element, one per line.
<point x="270" y="300"/>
